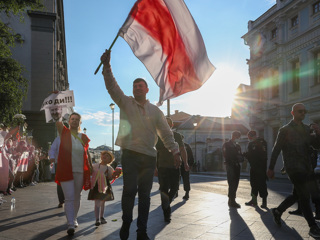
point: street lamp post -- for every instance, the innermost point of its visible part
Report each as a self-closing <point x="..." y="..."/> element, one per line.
<point x="195" y="124"/>
<point x="112" y="108"/>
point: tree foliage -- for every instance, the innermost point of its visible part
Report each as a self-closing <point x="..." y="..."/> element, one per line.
<point x="18" y="6"/>
<point x="13" y="86"/>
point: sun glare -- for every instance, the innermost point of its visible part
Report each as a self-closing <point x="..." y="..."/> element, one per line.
<point x="215" y="97"/>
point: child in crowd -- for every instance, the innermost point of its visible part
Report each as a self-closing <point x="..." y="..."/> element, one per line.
<point x="101" y="173"/>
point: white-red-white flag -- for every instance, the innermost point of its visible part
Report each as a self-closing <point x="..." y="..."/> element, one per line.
<point x="22" y="165"/>
<point x="166" y="39"/>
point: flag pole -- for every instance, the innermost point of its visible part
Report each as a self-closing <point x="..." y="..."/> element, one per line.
<point x="108" y="50"/>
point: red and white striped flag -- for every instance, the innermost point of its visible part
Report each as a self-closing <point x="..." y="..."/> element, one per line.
<point x="166" y="39"/>
<point x="22" y="165"/>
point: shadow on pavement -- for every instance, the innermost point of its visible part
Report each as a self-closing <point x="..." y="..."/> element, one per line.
<point x="237" y="225"/>
<point x="279" y="232"/>
<point x="29" y="214"/>
<point x="19" y="223"/>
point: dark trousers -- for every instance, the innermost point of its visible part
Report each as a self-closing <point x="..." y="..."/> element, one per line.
<point x="169" y="179"/>
<point x="60" y="194"/>
<point x="59" y="190"/>
<point x="138" y="170"/>
<point x="301" y="183"/>
<point x="233" y="176"/>
<point x="258" y="183"/>
<point x="185" y="178"/>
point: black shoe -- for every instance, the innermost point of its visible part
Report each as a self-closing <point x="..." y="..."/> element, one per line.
<point x="264" y="203"/>
<point x="251" y="203"/>
<point x="296" y="212"/>
<point x="97" y="223"/>
<point x="103" y="221"/>
<point x="70" y="231"/>
<point x="314" y="231"/>
<point x="233" y="204"/>
<point x="276" y="216"/>
<point x="142" y="236"/>
<point x="60" y="205"/>
<point x="167" y="215"/>
<point x="124" y="231"/>
<point x="186" y="196"/>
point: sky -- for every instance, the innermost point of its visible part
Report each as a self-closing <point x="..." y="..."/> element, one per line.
<point x="90" y="28"/>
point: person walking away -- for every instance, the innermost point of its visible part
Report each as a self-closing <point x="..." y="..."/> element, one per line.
<point x="257" y="156"/>
<point x="186" y="174"/>
<point x="168" y="173"/>
<point x="140" y="125"/>
<point x="232" y="154"/>
<point x="294" y="140"/>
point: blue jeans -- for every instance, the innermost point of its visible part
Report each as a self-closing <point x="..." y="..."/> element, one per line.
<point x="138" y="170"/>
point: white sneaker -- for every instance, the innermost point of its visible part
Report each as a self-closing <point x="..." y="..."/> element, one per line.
<point x="76" y="224"/>
<point x="32" y="184"/>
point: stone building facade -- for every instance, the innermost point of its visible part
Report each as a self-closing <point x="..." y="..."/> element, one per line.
<point x="206" y="136"/>
<point x="284" y="66"/>
<point x="43" y="55"/>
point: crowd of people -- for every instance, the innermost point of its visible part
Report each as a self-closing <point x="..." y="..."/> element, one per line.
<point x="22" y="164"/>
<point x="299" y="144"/>
<point x="150" y="146"/>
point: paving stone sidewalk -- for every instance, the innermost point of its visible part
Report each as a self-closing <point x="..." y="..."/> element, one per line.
<point x="204" y="216"/>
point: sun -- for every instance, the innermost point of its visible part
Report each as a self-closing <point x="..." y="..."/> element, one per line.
<point x="215" y="97"/>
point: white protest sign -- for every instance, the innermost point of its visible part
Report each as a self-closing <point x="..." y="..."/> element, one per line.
<point x="58" y="105"/>
<point x="63" y="98"/>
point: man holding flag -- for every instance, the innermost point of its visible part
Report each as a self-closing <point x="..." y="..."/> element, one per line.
<point x="140" y="125"/>
<point x="165" y="38"/>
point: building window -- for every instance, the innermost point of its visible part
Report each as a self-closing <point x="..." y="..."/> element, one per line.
<point x="294" y="21"/>
<point x="274" y="33"/>
<point x="316" y="7"/>
<point x="295" y="76"/>
<point x="317" y="68"/>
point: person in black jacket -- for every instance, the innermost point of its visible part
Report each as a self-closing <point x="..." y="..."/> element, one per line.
<point x="233" y="156"/>
<point x="185" y="174"/>
<point x="258" y="158"/>
<point x="313" y="186"/>
<point x="294" y="140"/>
<point x="168" y="172"/>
